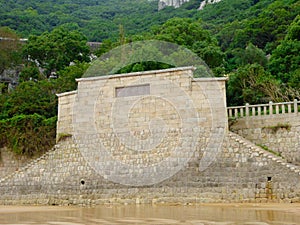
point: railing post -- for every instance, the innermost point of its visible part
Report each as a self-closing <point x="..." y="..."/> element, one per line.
<point x="247" y="109"/>
<point x="282" y="108"/>
<point x="230" y="112"/>
<point x="289" y="108"/>
<point x="262" y="109"/>
<point x="277" y="109"/>
<point x="253" y="111"/>
<point x="236" y="113"/>
<point x="270" y="108"/>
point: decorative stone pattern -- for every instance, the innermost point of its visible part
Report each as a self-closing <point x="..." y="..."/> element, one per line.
<point x="143" y="135"/>
<point x="239" y="171"/>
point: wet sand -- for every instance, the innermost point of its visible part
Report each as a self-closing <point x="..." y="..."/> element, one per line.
<point x="229" y="214"/>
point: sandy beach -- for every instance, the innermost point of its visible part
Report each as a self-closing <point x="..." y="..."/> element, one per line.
<point x="235" y="214"/>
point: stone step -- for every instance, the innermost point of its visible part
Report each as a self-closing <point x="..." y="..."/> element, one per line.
<point x="29" y="165"/>
<point x="264" y="153"/>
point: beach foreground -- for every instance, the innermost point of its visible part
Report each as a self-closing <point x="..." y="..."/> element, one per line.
<point x="229" y="214"/>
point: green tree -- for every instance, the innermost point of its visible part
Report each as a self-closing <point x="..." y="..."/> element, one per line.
<point x="285" y="59"/>
<point x="106" y="45"/>
<point x="28" y="114"/>
<point x="294" y="30"/>
<point x="252" y="84"/>
<point x="250" y="55"/>
<point x="192" y="35"/>
<point x="56" y="50"/>
<point x="67" y="77"/>
<point x="29" y="135"/>
<point x="10" y="49"/>
<point x="253" y="54"/>
<point x="29" y="72"/>
<point x="31" y="97"/>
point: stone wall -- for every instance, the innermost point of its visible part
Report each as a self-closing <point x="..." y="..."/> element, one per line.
<point x="161" y="116"/>
<point x="279" y="133"/>
<point x="151" y="137"/>
<point x="9" y="162"/>
<point x="65" y="114"/>
<point x="242" y="172"/>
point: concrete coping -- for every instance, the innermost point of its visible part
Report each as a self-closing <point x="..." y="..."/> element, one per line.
<point x="137" y="73"/>
<point x="209" y="79"/>
<point x="200" y="79"/>
<point x="66" y="93"/>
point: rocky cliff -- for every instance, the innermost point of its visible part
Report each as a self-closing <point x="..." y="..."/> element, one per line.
<point x="204" y="3"/>
<point x="177" y="3"/>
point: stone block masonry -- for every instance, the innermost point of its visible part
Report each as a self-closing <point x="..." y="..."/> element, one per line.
<point x="242" y="172"/>
<point x="143" y="123"/>
<point x="151" y="137"/>
<point x="10" y="162"/>
<point x="279" y="133"/>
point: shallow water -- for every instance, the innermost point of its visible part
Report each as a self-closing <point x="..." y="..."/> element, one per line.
<point x="146" y="214"/>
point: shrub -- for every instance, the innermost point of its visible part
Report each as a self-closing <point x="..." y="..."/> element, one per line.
<point x="28" y="134"/>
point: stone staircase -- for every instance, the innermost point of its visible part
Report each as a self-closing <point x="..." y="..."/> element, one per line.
<point x="266" y="194"/>
<point x="270" y="156"/>
<point x="231" y="135"/>
<point x="29" y="165"/>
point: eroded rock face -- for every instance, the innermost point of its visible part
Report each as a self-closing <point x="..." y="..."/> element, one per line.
<point x="175" y="3"/>
<point x="205" y="2"/>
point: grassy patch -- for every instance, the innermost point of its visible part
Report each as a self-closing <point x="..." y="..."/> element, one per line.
<point x="63" y="136"/>
<point x="279" y="126"/>
<point x="270" y="150"/>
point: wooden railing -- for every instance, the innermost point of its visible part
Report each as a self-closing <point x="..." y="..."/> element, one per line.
<point x="264" y="109"/>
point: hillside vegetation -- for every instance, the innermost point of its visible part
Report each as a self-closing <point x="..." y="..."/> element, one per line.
<point x="97" y="19"/>
<point x="256" y="43"/>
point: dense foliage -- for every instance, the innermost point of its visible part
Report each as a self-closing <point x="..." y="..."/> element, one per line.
<point x="97" y="19"/>
<point x="256" y="43"/>
<point x="56" y="50"/>
<point x="10" y="49"/>
<point x="28" y="134"/>
<point x="29" y="113"/>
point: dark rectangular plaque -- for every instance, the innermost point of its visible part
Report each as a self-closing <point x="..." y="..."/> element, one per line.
<point x="135" y="90"/>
